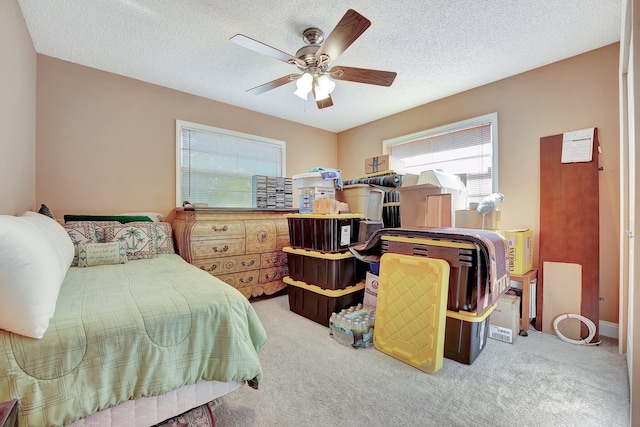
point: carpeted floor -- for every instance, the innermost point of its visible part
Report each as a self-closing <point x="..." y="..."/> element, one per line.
<point x="311" y="380"/>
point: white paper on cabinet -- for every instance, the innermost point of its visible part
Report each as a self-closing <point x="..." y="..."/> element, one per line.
<point x="577" y="146"/>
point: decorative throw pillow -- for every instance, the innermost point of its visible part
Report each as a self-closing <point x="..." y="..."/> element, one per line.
<point x="90" y="254"/>
<point x="138" y="239"/>
<point x="35" y="253"/>
<point x="44" y="210"/>
<point x="163" y="236"/>
<point x="98" y="227"/>
<point x="80" y="233"/>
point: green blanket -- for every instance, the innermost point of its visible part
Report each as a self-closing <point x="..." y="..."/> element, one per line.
<point x="125" y="331"/>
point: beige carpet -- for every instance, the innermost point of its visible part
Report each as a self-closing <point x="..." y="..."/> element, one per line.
<point x="311" y="380"/>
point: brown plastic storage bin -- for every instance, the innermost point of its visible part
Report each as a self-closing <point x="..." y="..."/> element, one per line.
<point x="326" y="270"/>
<point x="466" y="335"/>
<point x="464" y="288"/>
<point x="323" y="232"/>
<point x="316" y="303"/>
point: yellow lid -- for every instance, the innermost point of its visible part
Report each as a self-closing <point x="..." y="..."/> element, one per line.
<point x="326" y="292"/>
<point x="432" y="242"/>
<point x="316" y="254"/>
<point x="324" y="216"/>
<point x="468" y="316"/>
<point x="411" y="306"/>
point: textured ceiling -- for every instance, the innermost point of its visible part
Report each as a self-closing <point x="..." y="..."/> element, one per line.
<point x="437" y="47"/>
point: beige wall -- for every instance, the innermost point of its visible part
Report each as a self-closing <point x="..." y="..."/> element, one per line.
<point x="106" y="143"/>
<point x="17" y="112"/>
<point x="576" y="93"/>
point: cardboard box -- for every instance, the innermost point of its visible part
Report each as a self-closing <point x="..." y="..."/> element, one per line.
<point x="415" y="190"/>
<point x="329" y="206"/>
<point x="370" y="290"/>
<point x="383" y="163"/>
<point x="308" y="195"/>
<point x="504" y="323"/>
<point x="520" y="250"/>
<point x="468" y="218"/>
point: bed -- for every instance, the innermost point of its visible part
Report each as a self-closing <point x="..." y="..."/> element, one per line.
<point x="130" y="343"/>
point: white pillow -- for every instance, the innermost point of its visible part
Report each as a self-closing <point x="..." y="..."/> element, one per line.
<point x="35" y="254"/>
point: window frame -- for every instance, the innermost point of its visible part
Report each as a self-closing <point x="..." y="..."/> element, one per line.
<point x="457" y="126"/>
<point x="182" y="124"/>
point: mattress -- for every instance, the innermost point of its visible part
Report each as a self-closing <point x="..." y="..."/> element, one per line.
<point x="127" y="331"/>
<point x="148" y="411"/>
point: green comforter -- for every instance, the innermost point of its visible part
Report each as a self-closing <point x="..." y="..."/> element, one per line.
<point x="125" y="331"/>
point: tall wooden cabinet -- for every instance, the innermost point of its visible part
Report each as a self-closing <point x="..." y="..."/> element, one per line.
<point x="569" y="221"/>
<point x="241" y="247"/>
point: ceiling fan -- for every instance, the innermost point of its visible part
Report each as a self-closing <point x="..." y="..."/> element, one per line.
<point x="314" y="60"/>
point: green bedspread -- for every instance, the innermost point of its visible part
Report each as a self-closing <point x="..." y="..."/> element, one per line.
<point x="125" y="331"/>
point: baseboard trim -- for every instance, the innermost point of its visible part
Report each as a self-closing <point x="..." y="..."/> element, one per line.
<point x="608" y="329"/>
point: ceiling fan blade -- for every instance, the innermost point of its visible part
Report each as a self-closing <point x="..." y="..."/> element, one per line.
<point x="363" y="75"/>
<point x="262" y="48"/>
<point x="327" y="102"/>
<point x="273" y="84"/>
<point x="350" y="27"/>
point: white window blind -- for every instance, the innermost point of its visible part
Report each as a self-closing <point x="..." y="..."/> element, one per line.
<point x="216" y="166"/>
<point x="467" y="149"/>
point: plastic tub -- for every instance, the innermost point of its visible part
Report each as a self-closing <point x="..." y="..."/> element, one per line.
<point x="312" y="179"/>
<point x="316" y="303"/>
<point x="363" y="199"/>
<point x="326" y="270"/>
<point x="466" y="335"/>
<point x="323" y="232"/>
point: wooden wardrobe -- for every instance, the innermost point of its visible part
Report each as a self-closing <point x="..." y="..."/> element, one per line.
<point x="569" y="222"/>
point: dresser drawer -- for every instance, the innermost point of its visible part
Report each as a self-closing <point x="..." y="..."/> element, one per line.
<point x="225" y="265"/>
<point x="273" y="259"/>
<point x="272" y="274"/>
<point x="261" y="236"/>
<point x="217" y="229"/>
<point x="217" y="248"/>
<point x="282" y="241"/>
<point x="241" y="279"/>
<point x="282" y="226"/>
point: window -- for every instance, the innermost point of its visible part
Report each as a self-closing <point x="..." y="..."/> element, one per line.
<point x="468" y="148"/>
<point x="216" y="166"/>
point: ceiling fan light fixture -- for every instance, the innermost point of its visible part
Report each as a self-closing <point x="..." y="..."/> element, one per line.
<point x="304" y="85"/>
<point x="326" y="84"/>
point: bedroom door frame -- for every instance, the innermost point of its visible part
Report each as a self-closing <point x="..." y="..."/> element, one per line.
<point x="629" y="88"/>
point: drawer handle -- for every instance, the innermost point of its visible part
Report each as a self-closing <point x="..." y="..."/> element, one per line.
<point x="246" y="281"/>
<point x="273" y="275"/>
<point x="224" y="228"/>
<point x="248" y="264"/>
<point x="273" y="261"/>
<point x="212" y="268"/>
<point x="224" y="249"/>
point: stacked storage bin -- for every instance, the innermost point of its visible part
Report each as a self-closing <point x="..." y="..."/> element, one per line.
<point x="468" y="303"/>
<point x="324" y="277"/>
<point x="391" y="209"/>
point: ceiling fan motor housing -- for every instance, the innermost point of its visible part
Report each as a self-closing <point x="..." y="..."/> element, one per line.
<point x="313" y="36"/>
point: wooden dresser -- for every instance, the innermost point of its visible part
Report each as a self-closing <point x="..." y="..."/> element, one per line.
<point x="242" y="247"/>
